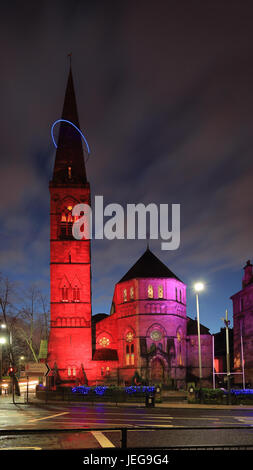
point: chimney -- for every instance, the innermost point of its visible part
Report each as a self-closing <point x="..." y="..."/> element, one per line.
<point x="248" y="274"/>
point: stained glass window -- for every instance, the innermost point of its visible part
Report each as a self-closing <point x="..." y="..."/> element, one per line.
<point x="104" y="341"/>
<point x="156" y="335"/>
<point x="129" y="336"/>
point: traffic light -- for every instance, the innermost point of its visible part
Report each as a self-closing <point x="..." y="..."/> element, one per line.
<point x="11" y="371"/>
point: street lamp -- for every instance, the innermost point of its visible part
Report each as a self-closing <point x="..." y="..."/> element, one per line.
<point x="198" y="287"/>
<point x="2" y="341"/>
<point x="227" y="323"/>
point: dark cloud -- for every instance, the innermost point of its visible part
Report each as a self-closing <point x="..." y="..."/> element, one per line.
<point x="165" y="99"/>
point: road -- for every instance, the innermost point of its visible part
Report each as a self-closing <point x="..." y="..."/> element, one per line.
<point x="77" y="417"/>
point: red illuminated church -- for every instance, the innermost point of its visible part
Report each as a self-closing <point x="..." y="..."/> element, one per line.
<point x="147" y="338"/>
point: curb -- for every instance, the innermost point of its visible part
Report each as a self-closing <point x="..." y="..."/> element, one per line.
<point x="142" y="405"/>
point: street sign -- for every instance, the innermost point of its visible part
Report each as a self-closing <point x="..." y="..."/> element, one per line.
<point x="37" y="368"/>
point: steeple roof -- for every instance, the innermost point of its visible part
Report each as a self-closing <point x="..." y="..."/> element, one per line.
<point x="148" y="265"/>
<point x="69" y="167"/>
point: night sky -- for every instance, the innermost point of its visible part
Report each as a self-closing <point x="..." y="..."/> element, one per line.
<point x="165" y="100"/>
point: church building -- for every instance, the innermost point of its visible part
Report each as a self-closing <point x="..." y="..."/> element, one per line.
<point x="147" y="337"/>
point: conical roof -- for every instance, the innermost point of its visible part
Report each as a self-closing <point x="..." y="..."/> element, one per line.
<point x="69" y="165"/>
<point x="148" y="265"/>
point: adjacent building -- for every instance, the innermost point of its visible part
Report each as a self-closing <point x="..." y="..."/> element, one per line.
<point x="243" y="329"/>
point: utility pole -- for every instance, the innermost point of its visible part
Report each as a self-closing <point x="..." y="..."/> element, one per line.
<point x="227" y="323"/>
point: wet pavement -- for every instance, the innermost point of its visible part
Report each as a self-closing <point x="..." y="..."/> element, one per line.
<point x="83" y="426"/>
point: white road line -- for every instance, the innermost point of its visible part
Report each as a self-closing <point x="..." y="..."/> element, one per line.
<point x="48" y="417"/>
<point x="102" y="439"/>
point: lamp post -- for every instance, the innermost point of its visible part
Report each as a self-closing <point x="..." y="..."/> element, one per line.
<point x="198" y="287"/>
<point x="227" y="323"/>
<point x="2" y="341"/>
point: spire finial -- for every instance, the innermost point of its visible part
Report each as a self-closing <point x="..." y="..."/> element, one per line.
<point x="70" y="57"/>
<point x="148" y="240"/>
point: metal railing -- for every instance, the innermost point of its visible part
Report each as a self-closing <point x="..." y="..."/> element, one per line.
<point x="124" y="435"/>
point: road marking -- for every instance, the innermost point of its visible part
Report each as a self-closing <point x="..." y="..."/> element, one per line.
<point x="246" y="420"/>
<point x="102" y="439"/>
<point x="48" y="417"/>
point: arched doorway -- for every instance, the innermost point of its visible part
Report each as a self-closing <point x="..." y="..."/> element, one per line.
<point x="157" y="371"/>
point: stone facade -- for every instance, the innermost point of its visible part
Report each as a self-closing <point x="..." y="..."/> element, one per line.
<point x="147" y="338"/>
<point x="243" y="327"/>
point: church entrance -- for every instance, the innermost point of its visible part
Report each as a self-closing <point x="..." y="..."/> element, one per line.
<point x="157" y="371"/>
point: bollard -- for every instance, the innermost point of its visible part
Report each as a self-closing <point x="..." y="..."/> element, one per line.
<point x="124" y="438"/>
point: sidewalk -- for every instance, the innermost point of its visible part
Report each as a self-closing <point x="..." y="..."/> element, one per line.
<point x="6" y="402"/>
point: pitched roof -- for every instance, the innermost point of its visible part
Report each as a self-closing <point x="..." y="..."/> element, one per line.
<point x="148" y="265"/>
<point x="105" y="354"/>
<point x="192" y="328"/>
<point x="69" y="151"/>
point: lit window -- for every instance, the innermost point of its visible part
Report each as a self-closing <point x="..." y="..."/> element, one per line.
<point x="131" y="293"/>
<point x="64" y="294"/>
<point x="150" y="292"/>
<point x="132" y="354"/>
<point x="104" y="341"/>
<point x="107" y="371"/>
<point x="160" y="292"/>
<point x="69" y="172"/>
<point x="129" y="336"/>
<point x="76" y="294"/>
<point x="156" y="335"/>
<point x="124" y="295"/>
<point x="69" y="371"/>
<point x="179" y="355"/>
<point x="74" y="371"/>
<point x="66" y="223"/>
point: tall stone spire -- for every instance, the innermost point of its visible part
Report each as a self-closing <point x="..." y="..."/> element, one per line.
<point x="69" y="168"/>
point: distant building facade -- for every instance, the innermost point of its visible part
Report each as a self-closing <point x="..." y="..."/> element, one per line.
<point x="243" y="327"/>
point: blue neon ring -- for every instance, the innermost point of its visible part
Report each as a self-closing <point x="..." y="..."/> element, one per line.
<point x="72" y="124"/>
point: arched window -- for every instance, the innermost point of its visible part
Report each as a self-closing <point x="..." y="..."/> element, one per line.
<point x="107" y="371"/>
<point x="64" y="293"/>
<point x="131" y="293"/>
<point x="150" y="292"/>
<point x="180" y="295"/>
<point x="179" y="348"/>
<point x="160" y="292"/>
<point x="74" y="371"/>
<point x="124" y="295"/>
<point x="66" y="223"/>
<point x="69" y="371"/>
<point x="176" y="293"/>
<point x="132" y="354"/>
<point x="127" y="354"/>
<point x="76" y="294"/>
